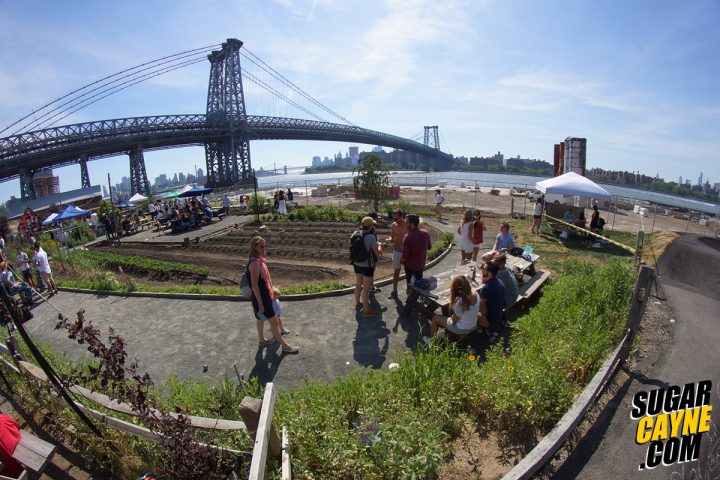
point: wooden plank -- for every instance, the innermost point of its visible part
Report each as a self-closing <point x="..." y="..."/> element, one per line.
<point x="547" y="447"/>
<point x="23" y="475"/>
<point x="34" y="370"/>
<point x="33" y="452"/>
<point x="9" y="365"/>
<point x="286" y="467"/>
<point x="535" y="285"/>
<point x="140" y="431"/>
<point x="262" y="438"/>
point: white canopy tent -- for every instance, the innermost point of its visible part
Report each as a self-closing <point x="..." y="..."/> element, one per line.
<point x="137" y="198"/>
<point x="50" y="219"/>
<point x="573" y="184"/>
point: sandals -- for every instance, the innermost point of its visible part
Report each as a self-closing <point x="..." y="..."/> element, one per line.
<point x="291" y="349"/>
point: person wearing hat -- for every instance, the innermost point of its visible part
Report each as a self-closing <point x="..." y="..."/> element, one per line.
<point x="398" y="230"/>
<point x="415" y="247"/>
<point x="365" y="268"/>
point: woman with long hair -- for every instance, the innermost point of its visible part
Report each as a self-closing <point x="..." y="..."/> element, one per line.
<point x="262" y="297"/>
<point x="466" y="235"/>
<point x="478" y="230"/>
<point x="465" y="304"/>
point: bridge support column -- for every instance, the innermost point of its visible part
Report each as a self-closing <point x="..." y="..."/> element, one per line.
<point x="138" y="176"/>
<point x="84" y="175"/>
<point x="27" y="187"/>
<point x="227" y="160"/>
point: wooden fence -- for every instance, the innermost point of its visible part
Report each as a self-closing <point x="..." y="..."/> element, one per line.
<point x="257" y="416"/>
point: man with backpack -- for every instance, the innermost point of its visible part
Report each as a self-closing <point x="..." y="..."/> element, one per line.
<point x="364" y="253"/>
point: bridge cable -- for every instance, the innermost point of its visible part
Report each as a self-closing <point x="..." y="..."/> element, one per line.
<point x="112" y="90"/>
<point x="269" y="88"/>
<point x="181" y="54"/>
<point x="443" y="142"/>
<point x="287" y="82"/>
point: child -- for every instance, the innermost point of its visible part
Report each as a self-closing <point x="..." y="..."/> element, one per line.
<point x="278" y="311"/>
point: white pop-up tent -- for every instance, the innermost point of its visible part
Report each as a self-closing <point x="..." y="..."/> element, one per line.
<point x="573" y="184"/>
<point x="137" y="198"/>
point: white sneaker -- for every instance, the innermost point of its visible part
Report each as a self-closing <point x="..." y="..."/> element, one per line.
<point x="441" y="334"/>
<point x="427" y="340"/>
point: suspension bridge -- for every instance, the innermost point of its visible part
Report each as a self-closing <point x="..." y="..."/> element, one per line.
<point x="225" y="130"/>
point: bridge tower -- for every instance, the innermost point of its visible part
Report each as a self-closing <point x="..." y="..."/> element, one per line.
<point x="27" y="187"/>
<point x="84" y="174"/>
<point x="432" y="140"/>
<point x="227" y="159"/>
<point x="138" y="175"/>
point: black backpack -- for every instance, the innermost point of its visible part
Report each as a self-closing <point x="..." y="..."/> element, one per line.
<point x="358" y="253"/>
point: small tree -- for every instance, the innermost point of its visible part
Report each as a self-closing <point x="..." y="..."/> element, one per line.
<point x="372" y="180"/>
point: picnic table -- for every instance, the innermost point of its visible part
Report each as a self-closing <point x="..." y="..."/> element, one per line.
<point x="437" y="293"/>
<point x="427" y="300"/>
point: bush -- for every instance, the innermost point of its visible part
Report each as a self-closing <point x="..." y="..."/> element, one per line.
<point x="440" y="246"/>
<point x="257" y="205"/>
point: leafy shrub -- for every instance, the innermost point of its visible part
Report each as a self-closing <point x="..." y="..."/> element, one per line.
<point x="106" y="281"/>
<point x="257" y="204"/>
<point x="80" y="233"/>
<point x="438" y="247"/>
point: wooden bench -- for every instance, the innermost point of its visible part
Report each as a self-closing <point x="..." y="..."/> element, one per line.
<point x="33" y="453"/>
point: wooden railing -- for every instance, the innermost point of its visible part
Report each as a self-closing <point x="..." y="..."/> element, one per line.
<point x="257" y="415"/>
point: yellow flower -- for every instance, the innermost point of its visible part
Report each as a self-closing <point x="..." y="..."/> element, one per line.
<point x="510" y="368"/>
<point x="471" y="358"/>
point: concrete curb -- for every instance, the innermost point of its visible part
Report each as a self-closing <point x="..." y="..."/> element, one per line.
<point x="240" y="298"/>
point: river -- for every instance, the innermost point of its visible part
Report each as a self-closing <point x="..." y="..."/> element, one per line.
<point x="457" y="179"/>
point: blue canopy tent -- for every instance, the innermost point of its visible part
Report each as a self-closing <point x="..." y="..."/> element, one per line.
<point x="124" y="204"/>
<point x="70" y="212"/>
<point x="195" y="192"/>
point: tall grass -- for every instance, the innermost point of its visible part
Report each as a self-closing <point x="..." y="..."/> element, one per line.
<point x="397" y="424"/>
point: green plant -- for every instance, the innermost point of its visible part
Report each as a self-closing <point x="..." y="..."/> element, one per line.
<point x="257" y="204"/>
<point x="372" y="179"/>
<point x="438" y="247"/>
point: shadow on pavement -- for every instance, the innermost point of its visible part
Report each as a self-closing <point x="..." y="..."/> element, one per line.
<point x="267" y="362"/>
<point x="371" y="331"/>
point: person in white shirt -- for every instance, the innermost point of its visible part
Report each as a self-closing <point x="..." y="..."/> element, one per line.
<point x="439" y="199"/>
<point x="226" y="204"/>
<point x="465" y="304"/>
<point x="23" y="262"/>
<point x="43" y="265"/>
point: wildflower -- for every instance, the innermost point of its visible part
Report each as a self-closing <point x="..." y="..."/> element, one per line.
<point x="510" y="368"/>
<point x="471" y="358"/>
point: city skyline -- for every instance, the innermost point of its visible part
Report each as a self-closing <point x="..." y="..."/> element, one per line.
<point x="636" y="80"/>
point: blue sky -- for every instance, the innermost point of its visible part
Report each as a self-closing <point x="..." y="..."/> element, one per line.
<point x="638" y="79"/>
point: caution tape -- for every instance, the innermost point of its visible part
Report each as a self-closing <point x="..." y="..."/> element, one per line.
<point x="591" y="233"/>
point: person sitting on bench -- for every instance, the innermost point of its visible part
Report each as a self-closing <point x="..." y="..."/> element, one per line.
<point x="12" y="286"/>
<point x="465" y="304"/>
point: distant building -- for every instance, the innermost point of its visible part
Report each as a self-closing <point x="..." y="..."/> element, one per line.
<point x="45" y="183"/>
<point x="316" y="161"/>
<point x="496" y="160"/>
<point x="354" y="155"/>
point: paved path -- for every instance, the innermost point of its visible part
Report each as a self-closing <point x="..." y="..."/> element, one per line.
<point x="689" y="281"/>
<point x="178" y="337"/>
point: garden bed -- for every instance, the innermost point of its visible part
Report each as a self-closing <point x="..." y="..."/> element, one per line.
<point x="299" y="254"/>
